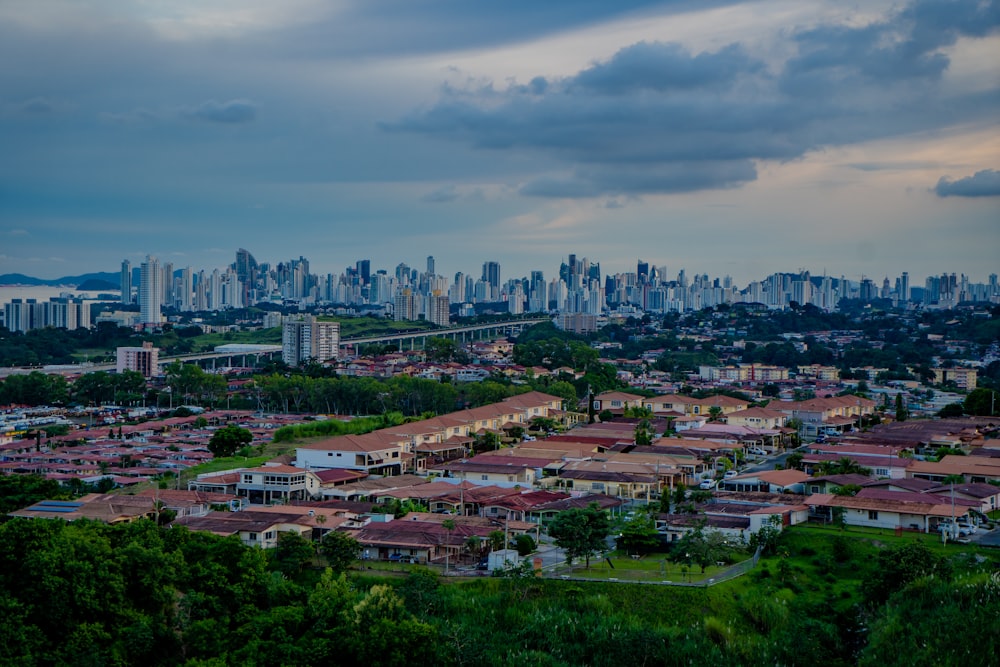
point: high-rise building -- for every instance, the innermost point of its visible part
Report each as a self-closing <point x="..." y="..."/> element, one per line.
<point x="405" y="305"/>
<point x="364" y="269"/>
<point x="150" y="291"/>
<point x="491" y="275"/>
<point x="185" y="290"/>
<point x="430" y="265"/>
<point x="438" y="309"/>
<point x="304" y="338"/>
<point x="126" y="281"/>
<point x="143" y="359"/>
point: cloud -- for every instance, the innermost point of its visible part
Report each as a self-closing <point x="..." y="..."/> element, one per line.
<point x="442" y="195"/>
<point x="231" y="112"/>
<point x="139" y="115"/>
<point x="18" y="232"/>
<point x="659" y="118"/>
<point x="985" y="183"/>
<point x="37" y="106"/>
<point x="663" y="67"/>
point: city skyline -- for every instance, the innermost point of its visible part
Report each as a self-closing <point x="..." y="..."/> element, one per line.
<point x="728" y="138"/>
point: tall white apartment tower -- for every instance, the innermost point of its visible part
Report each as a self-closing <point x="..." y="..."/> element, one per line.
<point x="304" y="338"/>
<point x="150" y="291"/>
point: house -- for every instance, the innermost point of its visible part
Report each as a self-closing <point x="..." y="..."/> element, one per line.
<point x="277" y="483"/>
<point x="757" y="418"/>
<point x="828" y="483"/>
<point x="616" y="401"/>
<point x="254" y="528"/>
<point x="769" y="481"/>
<point x="973" y="469"/>
<point x="835" y="414"/>
<point x="543" y="514"/>
<point x="109" y="509"/>
<point x="614" y="478"/>
<point x="376" y="453"/>
<point x="986" y="495"/>
<point x="883" y="512"/>
<point x="491" y="470"/>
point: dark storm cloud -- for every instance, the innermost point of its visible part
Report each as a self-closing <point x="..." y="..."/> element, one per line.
<point x="657" y="118"/>
<point x="233" y="111"/>
<point x="985" y="183"/>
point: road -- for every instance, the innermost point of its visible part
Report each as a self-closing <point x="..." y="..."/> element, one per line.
<point x="769" y="462"/>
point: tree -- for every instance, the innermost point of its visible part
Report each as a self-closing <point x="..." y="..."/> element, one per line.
<point x="644" y="433"/>
<point x="449" y="525"/>
<point x="525" y="545"/>
<point x="901" y="411"/>
<point x="701" y="548"/>
<point x="580" y="532"/>
<point x="639" y="535"/>
<point x="340" y="550"/>
<point x="843" y="466"/>
<point x="898" y="566"/>
<point x="952" y="410"/>
<point x="292" y="553"/>
<point x="228" y="440"/>
<point x="982" y="402"/>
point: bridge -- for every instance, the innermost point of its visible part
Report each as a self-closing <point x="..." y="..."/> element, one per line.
<point x="463" y="333"/>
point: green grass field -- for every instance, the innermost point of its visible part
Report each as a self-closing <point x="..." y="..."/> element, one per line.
<point x="653" y="567"/>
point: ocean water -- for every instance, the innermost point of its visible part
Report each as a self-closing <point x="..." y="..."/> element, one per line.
<point x="44" y="293"/>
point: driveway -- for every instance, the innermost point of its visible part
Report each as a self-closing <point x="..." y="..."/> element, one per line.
<point x="986" y="538"/>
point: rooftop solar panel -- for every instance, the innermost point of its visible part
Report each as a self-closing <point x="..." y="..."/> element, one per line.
<point x="60" y="503"/>
<point x="58" y="510"/>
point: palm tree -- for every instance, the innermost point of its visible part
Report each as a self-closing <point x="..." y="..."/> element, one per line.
<point x="449" y="525"/>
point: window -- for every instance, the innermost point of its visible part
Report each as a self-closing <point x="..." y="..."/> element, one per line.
<point x="872" y="515"/>
<point x="253" y="537"/>
<point x="484" y="477"/>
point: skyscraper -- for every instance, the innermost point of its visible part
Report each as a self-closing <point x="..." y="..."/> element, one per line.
<point x="430" y="265"/>
<point x="126" y="281"/>
<point x="150" y="291"/>
<point x="491" y="275"/>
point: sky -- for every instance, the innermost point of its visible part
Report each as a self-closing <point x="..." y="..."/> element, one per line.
<point x="732" y="138"/>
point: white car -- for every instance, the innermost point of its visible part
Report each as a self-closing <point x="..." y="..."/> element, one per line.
<point x="707" y="484"/>
<point x="731" y="473"/>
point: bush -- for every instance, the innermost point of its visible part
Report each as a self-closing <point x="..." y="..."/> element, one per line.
<point x="525" y="545"/>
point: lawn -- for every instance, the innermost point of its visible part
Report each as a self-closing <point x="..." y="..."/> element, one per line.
<point x="881" y="537"/>
<point x="208" y="342"/>
<point x="653" y="567"/>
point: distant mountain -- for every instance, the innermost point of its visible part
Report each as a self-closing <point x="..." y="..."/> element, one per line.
<point x="95" y="285"/>
<point x="108" y="280"/>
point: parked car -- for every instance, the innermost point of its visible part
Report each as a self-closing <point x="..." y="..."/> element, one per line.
<point x="731" y="473"/>
<point x="707" y="484"/>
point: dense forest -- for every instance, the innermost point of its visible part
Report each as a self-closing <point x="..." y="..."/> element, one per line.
<point x="86" y="593"/>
